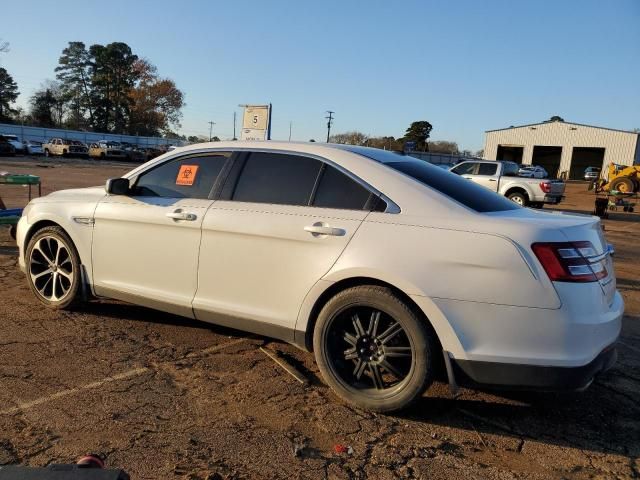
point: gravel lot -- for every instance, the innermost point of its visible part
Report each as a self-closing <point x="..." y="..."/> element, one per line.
<point x="166" y="397"/>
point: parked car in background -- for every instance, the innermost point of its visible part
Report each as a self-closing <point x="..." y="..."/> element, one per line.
<point x="592" y="173"/>
<point x="151" y="152"/>
<point x="532" y="171"/>
<point x="133" y="153"/>
<point x="15" y="141"/>
<point x="6" y="148"/>
<point x="502" y="177"/>
<point x="324" y="246"/>
<point x="64" y="147"/>
<point x="106" y="149"/>
<point x="33" y="147"/>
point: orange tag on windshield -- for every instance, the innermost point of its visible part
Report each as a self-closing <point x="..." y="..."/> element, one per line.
<point x="186" y="175"/>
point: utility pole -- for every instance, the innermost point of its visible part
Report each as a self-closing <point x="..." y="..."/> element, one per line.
<point x="329" y="122"/>
<point x="234" y="126"/>
<point x="211" y="124"/>
<point x="290" y="124"/>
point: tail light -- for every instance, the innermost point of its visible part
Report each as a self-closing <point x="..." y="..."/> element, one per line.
<point x="545" y="187"/>
<point x="571" y="261"/>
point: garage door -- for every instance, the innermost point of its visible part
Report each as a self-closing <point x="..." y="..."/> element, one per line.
<point x="582" y="158"/>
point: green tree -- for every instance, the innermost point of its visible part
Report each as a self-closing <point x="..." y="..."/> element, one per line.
<point x="419" y="132"/>
<point x="175" y="136"/>
<point x="48" y="105"/>
<point x="42" y="105"/>
<point x="556" y="118"/>
<point x="197" y="139"/>
<point x="74" y="74"/>
<point x="8" y="95"/>
<point x="112" y="77"/>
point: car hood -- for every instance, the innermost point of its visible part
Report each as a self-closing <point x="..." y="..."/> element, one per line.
<point x="90" y="194"/>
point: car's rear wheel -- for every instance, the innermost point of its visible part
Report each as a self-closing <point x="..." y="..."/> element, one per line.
<point x="519" y="198"/>
<point x="53" y="268"/>
<point x="373" y="349"/>
<point x="46" y="152"/>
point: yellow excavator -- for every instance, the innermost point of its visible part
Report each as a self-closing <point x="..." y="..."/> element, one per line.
<point x="621" y="178"/>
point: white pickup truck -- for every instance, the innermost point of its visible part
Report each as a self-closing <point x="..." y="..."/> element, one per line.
<point x="502" y="177"/>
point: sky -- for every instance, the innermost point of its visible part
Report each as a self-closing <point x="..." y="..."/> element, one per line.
<point x="465" y="66"/>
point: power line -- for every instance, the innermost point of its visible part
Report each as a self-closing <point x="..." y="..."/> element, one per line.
<point x="211" y="124"/>
<point x="329" y="122"/>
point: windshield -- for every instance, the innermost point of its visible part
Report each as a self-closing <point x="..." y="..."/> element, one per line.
<point x="461" y="190"/>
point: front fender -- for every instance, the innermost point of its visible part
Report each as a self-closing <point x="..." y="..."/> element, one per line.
<point x="81" y="234"/>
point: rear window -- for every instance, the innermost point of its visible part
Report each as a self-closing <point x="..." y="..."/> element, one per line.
<point x="460" y="189"/>
<point x="510" y="169"/>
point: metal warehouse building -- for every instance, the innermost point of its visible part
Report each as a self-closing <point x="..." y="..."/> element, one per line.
<point x="564" y="149"/>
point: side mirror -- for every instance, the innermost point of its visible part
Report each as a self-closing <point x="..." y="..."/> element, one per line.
<point x="117" y="186"/>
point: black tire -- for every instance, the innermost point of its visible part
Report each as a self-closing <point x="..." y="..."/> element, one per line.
<point x="36" y="262"/>
<point x="409" y="351"/>
<point x="46" y="153"/>
<point x="519" y="198"/>
<point x="623" y="185"/>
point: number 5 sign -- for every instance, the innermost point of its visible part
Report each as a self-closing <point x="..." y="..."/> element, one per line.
<point x="256" y="122"/>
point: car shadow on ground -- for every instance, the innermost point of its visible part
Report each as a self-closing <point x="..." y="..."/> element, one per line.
<point x="575" y="420"/>
<point x="130" y="312"/>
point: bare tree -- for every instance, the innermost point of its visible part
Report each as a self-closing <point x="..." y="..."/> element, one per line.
<point x="349" y="138"/>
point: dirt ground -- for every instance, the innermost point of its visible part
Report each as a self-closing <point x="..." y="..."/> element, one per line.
<point x="165" y="397"/>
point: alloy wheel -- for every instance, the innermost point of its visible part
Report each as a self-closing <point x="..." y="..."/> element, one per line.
<point x="51" y="269"/>
<point x="377" y="358"/>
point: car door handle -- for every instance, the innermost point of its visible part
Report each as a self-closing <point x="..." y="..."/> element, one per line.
<point x="180" y="215"/>
<point x="321" y="228"/>
<point x="493" y="180"/>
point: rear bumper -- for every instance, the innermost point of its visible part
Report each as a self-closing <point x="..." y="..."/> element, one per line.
<point x="532" y="377"/>
<point x="554" y="199"/>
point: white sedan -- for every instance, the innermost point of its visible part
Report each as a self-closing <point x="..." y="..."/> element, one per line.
<point x="379" y="263"/>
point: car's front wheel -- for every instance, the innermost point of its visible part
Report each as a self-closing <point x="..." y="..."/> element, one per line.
<point x="373" y="349"/>
<point x="53" y="268"/>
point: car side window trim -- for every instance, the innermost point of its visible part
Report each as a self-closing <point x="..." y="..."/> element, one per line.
<point x="231" y="181"/>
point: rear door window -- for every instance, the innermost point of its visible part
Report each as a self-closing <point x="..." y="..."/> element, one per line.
<point x="337" y="190"/>
<point x="487" y="169"/>
<point x="277" y="178"/>
<point x="510" y="169"/>
<point x="184" y="177"/>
